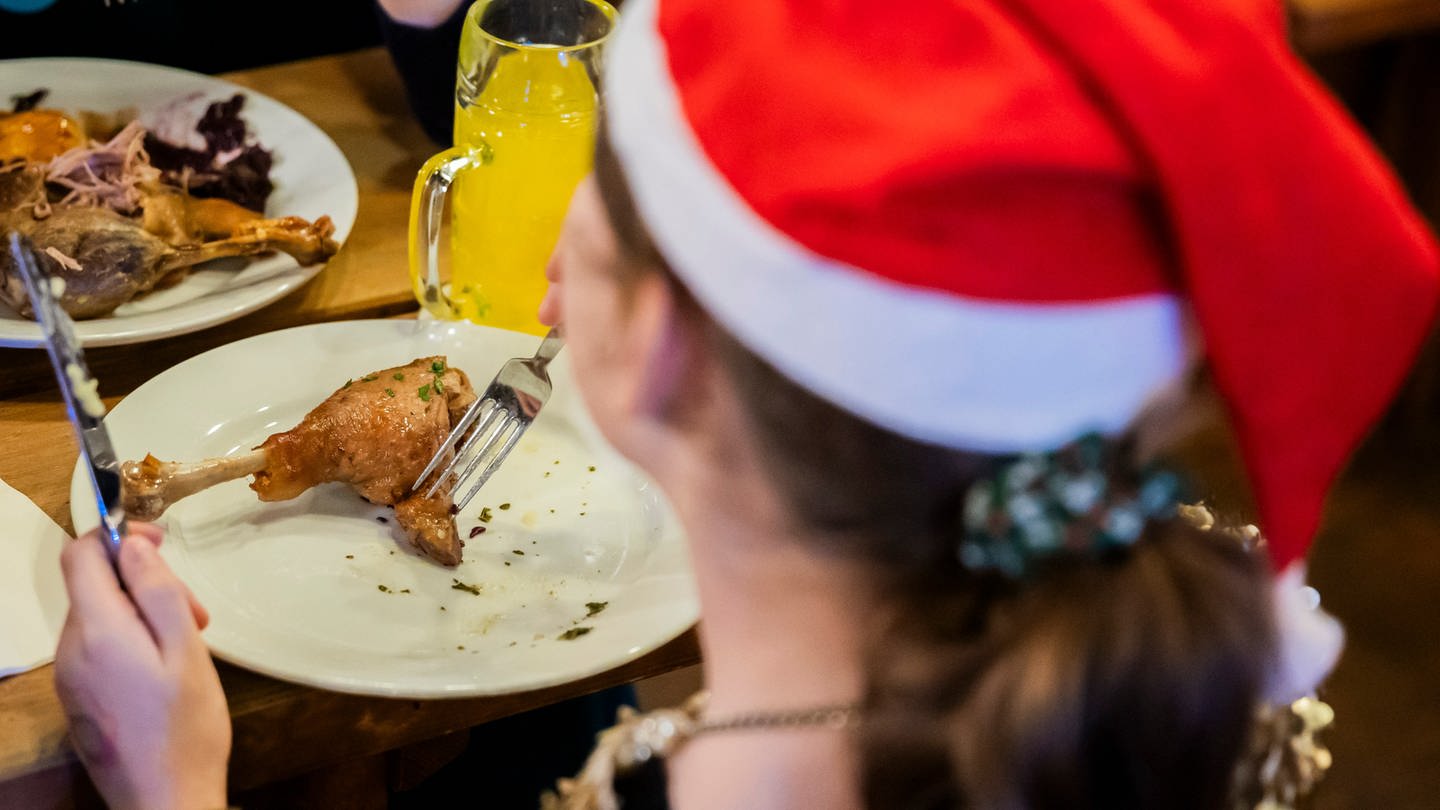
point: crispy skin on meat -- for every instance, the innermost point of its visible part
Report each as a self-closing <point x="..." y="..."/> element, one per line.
<point x="135" y="261"/>
<point x="375" y="434"/>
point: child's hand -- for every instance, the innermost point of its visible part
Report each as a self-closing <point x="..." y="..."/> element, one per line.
<point x="147" y="715"/>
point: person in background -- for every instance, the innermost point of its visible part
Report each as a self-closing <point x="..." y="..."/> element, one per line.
<point x="423" y="38"/>
<point x="898" y="309"/>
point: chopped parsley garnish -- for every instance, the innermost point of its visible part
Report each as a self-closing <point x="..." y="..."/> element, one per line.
<point x="370" y="378"/>
<point x="572" y="634"/>
<point x="389" y="392"/>
<point x="485" y="515"/>
<point x="517" y="551"/>
<point x="505" y="505"/>
<point x="425" y="393"/>
<point x="348" y="383"/>
<point x="438" y="366"/>
<point x="399" y="375"/>
<point x="466" y="587"/>
<point x="595" y="607"/>
<point x="439" y="386"/>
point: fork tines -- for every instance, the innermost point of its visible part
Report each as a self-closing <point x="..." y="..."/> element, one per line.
<point x="481" y="446"/>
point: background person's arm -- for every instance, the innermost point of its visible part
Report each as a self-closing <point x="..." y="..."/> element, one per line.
<point x="423" y="37"/>
<point x="421" y="13"/>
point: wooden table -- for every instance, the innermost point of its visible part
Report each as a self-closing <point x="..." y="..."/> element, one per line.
<point x="281" y="729"/>
<point x="1322" y="26"/>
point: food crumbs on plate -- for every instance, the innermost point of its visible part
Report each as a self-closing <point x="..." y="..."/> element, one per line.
<point x="459" y="646"/>
<point x="349" y="556"/>
<point x="505" y="506"/>
<point x="552" y="511"/>
<point x="383" y="589"/>
<point x="517" y="551"/>
<point x="572" y="634"/>
<point x="582" y="514"/>
<point x="547" y="473"/>
<point x="592" y="468"/>
<point x="463" y="586"/>
<point x="442" y="607"/>
<point x="538" y="636"/>
<point x="478" y="530"/>
<point x="507" y="562"/>
<point x="595" y="607"/>
<point x="404" y="590"/>
<point x="486" y="515"/>
<point x="512" y="644"/>
<point x="381" y="519"/>
<point x="556" y="461"/>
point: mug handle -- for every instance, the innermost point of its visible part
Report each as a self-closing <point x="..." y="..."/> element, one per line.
<point x="427" y="204"/>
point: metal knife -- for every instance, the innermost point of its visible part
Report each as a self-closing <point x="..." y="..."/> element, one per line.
<point x="79" y="390"/>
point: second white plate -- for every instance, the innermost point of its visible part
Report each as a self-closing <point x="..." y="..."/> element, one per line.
<point x="312" y="178"/>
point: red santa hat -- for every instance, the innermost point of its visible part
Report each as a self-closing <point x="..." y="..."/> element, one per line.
<point x="986" y="225"/>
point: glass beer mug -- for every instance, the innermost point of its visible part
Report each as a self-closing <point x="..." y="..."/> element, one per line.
<point x="525" y="109"/>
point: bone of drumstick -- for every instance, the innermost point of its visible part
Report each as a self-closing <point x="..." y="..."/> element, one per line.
<point x="151" y="486"/>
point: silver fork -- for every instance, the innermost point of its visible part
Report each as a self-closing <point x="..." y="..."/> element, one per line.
<point x="490" y="428"/>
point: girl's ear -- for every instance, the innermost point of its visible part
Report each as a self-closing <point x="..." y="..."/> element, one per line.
<point x="670" y="368"/>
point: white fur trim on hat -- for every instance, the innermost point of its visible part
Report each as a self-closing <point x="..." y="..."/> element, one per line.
<point x="1308" y="640"/>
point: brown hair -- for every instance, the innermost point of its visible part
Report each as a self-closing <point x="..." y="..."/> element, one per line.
<point x="1123" y="682"/>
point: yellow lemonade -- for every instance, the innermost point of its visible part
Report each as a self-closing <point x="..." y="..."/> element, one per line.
<point x="533" y="122"/>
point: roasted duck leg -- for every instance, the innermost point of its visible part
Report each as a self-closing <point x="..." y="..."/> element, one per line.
<point x="137" y="261"/>
<point x="180" y="219"/>
<point x="376" y="434"/>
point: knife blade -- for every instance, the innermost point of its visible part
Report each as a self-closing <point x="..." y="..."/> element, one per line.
<point x="78" y="389"/>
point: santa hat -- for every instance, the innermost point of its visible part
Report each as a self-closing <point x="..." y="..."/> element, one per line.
<point x="986" y="225"/>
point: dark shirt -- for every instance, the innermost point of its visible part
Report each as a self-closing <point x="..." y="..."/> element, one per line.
<point x="209" y="36"/>
<point x="425" y="59"/>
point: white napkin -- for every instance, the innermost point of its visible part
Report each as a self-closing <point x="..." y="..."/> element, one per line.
<point x="32" y="592"/>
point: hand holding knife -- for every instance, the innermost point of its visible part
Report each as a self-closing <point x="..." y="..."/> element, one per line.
<point x="79" y="391"/>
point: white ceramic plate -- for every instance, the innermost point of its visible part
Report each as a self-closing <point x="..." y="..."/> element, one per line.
<point x="311" y="177"/>
<point x="294" y="588"/>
